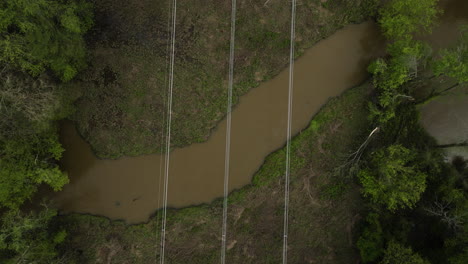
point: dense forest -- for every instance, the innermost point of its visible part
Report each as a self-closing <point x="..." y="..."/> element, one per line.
<point x="42" y="47"/>
<point x="415" y="202"/>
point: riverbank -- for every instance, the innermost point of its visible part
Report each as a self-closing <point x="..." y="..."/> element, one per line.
<point x="324" y="208"/>
<point x="445" y="119"/>
<point x="121" y="108"/>
<point x="129" y="188"/>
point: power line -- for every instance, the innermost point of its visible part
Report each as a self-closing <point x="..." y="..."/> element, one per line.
<point x="288" y="136"/>
<point x="168" y="137"/>
<point x="228" y="133"/>
<point x="166" y="79"/>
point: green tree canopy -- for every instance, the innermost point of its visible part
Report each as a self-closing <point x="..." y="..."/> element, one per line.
<point x="40" y="34"/>
<point x="398" y="254"/>
<point x="29" y="238"/>
<point x="35" y="100"/>
<point x="457" y="247"/>
<point x="454" y="62"/>
<point x="29" y="145"/>
<point x="25" y="163"/>
<point x="399" y="19"/>
<point x="371" y="241"/>
<point x="392" y="179"/>
<point x="391" y="74"/>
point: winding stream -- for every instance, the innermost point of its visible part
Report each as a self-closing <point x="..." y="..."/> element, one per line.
<point x="128" y="188"/>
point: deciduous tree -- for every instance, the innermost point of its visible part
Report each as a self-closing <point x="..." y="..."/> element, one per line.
<point x="44" y="34"/>
<point x="29" y="238"/>
<point x="454" y="61"/>
<point x="392" y="178"/>
<point x="399" y="254"/>
<point x="371" y="241"/>
<point x="399" y="19"/>
<point x="25" y="163"/>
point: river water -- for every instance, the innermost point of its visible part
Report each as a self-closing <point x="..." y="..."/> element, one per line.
<point x="446" y="118"/>
<point x="129" y="188"/>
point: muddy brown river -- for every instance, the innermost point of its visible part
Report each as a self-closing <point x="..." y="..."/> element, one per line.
<point x="445" y="118"/>
<point x="129" y="188"/>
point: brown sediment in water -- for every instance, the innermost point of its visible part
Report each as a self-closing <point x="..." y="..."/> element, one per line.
<point x="445" y="118"/>
<point x="129" y="188"/>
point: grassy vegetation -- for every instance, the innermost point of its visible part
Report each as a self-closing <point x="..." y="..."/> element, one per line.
<point x="323" y="212"/>
<point x="121" y="110"/>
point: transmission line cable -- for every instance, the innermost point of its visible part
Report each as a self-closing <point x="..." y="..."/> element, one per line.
<point x="164" y="113"/>
<point x="168" y="134"/>
<point x="228" y="132"/>
<point x="288" y="133"/>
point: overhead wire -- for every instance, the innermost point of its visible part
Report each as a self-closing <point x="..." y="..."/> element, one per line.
<point x="288" y="133"/>
<point x="166" y="79"/>
<point x="168" y="133"/>
<point x="228" y="132"/>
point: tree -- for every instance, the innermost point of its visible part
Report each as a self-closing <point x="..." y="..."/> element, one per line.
<point x="399" y="19"/>
<point x="23" y="98"/>
<point x="405" y="56"/>
<point x="391" y="74"/>
<point x="453" y="63"/>
<point x="450" y="203"/>
<point x="392" y="179"/>
<point x="395" y="253"/>
<point x="29" y="238"/>
<point x="29" y="145"/>
<point x="25" y="163"/>
<point x="371" y="241"/>
<point x="35" y="36"/>
<point x="457" y="247"/>
<point x="40" y="34"/>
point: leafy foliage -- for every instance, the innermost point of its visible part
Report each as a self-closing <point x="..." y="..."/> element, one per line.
<point x="454" y="62"/>
<point x="371" y="241"/>
<point x="392" y="179"/>
<point x="457" y="247"/>
<point x="29" y="238"/>
<point x="40" y="34"/>
<point x="391" y="74"/>
<point x="25" y="163"/>
<point x="27" y="99"/>
<point x="35" y="36"/>
<point x="401" y="18"/>
<point x="405" y="171"/>
<point x="29" y="145"/>
<point x="398" y="254"/>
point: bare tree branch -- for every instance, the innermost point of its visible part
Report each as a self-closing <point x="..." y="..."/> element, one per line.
<point x="460" y="144"/>
<point x="354" y="158"/>
<point x="443" y="210"/>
